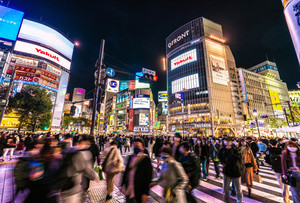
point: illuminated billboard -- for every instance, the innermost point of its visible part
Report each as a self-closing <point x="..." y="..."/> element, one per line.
<point x="185" y="83"/>
<point x="243" y="85"/>
<point x="140" y="85"/>
<point x="141" y="103"/>
<point x="112" y="85"/>
<point x="183" y="59"/>
<point x="124" y="84"/>
<point x="10" y="22"/>
<point x="42" y="52"/>
<point x="162" y="96"/>
<point x="292" y="16"/>
<point x="45" y="35"/>
<point x="275" y="100"/>
<point x="218" y="70"/>
<point x="143" y="119"/>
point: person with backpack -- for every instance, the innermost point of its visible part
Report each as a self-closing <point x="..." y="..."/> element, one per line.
<point x="174" y="176"/>
<point x="273" y="157"/>
<point x="112" y="165"/>
<point x="77" y="162"/>
<point x="215" y="147"/>
<point x="191" y="165"/>
<point x="10" y="146"/>
<point x="138" y="174"/>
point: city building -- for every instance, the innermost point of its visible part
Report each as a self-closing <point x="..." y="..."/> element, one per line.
<point x="295" y="97"/>
<point x="262" y="90"/>
<point x="198" y="84"/>
<point x="35" y="54"/>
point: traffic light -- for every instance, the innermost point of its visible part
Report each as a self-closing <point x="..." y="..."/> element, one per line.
<point x="147" y="78"/>
<point x="73" y="110"/>
<point x="90" y="123"/>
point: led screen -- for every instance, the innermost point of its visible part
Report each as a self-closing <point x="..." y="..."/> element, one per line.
<point x="141" y="103"/>
<point x="45" y="35"/>
<point x="185" y="83"/>
<point x="185" y="58"/>
<point x="10" y="22"/>
<point x="144" y="119"/>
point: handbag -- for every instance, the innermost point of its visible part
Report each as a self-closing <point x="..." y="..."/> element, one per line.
<point x="257" y="178"/>
<point x="99" y="171"/>
<point x="290" y="179"/>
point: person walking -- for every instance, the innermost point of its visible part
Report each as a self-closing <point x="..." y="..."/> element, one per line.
<point x="174" y="176"/>
<point x="230" y="158"/>
<point x="138" y="175"/>
<point x="203" y="157"/>
<point x="291" y="162"/>
<point x="273" y="157"/>
<point x="126" y="144"/>
<point x="151" y="146"/>
<point x="215" y="147"/>
<point x="10" y="146"/>
<point x="112" y="165"/>
<point x="248" y="165"/>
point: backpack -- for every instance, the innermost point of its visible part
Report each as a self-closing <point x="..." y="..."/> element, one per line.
<point x="64" y="181"/>
<point x="21" y="173"/>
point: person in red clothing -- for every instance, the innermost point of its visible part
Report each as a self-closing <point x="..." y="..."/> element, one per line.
<point x="291" y="161"/>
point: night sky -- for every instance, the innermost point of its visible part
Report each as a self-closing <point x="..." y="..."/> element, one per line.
<point x="135" y="32"/>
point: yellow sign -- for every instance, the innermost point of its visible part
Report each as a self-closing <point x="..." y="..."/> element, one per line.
<point x="284" y="2"/>
<point x="275" y="100"/>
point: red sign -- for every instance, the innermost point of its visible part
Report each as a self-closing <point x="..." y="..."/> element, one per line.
<point x="130" y="120"/>
<point x="131" y="84"/>
<point x="46" y="53"/>
<point x="26" y="78"/>
<point x="67" y="97"/>
<point x="25" y="69"/>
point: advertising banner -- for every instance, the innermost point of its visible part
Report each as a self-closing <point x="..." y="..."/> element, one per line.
<point x="218" y="70"/>
<point x="185" y="83"/>
<point x="183" y="59"/>
<point x="243" y="85"/>
<point x="275" y="100"/>
<point x="144" y="119"/>
<point x="124" y="84"/>
<point x="131" y="84"/>
<point x="10" y="22"/>
<point x="130" y="120"/>
<point x="45" y="35"/>
<point x="140" y="85"/>
<point x="42" y="52"/>
<point x="292" y="16"/>
<point x="141" y="103"/>
<point x="162" y="96"/>
<point x="112" y="85"/>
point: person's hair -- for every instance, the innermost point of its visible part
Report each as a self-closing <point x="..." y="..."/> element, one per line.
<point x="68" y="136"/>
<point x="186" y="146"/>
<point x="288" y="154"/>
<point x="85" y="138"/>
<point x="273" y="142"/>
<point x="140" y="141"/>
<point x="178" y="135"/>
<point x="243" y="140"/>
<point x="166" y="150"/>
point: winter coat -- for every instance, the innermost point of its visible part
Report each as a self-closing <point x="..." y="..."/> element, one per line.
<point x="247" y="172"/>
<point x="274" y="152"/>
<point x="174" y="177"/>
<point x="114" y="158"/>
<point x="286" y="161"/>
<point x="232" y="160"/>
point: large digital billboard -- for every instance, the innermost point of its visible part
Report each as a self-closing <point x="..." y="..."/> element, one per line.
<point x="42" y="52"/>
<point x="218" y="70"/>
<point x="144" y="119"/>
<point x="185" y="58"/>
<point x="292" y="16"/>
<point x="10" y="22"/>
<point x="45" y="35"/>
<point x="141" y="103"/>
<point x="185" y="83"/>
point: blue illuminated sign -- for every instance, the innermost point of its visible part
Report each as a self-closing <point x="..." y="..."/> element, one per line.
<point x="265" y="67"/>
<point x="124" y="84"/>
<point x="113" y="84"/>
<point x="10" y="22"/>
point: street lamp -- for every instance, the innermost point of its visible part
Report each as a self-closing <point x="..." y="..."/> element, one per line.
<point x="254" y="112"/>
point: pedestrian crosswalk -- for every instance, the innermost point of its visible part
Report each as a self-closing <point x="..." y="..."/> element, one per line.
<point x="212" y="191"/>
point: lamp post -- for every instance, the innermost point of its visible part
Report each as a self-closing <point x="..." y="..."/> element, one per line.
<point x="254" y="112"/>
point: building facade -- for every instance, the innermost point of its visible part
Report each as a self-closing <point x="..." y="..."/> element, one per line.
<point x="197" y="70"/>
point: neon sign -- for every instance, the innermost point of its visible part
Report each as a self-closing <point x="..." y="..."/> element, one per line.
<point x="177" y="39"/>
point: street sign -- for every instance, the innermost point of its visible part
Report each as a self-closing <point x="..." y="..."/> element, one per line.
<point x="20" y="85"/>
<point x="15" y="90"/>
<point x="148" y="71"/>
<point x="110" y="72"/>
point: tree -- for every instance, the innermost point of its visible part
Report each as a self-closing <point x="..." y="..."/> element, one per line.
<point x="67" y="121"/>
<point x="44" y="121"/>
<point x="274" y="123"/>
<point x="30" y="104"/>
<point x="296" y="114"/>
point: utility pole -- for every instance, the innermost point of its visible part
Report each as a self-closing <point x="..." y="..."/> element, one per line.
<point x="96" y="93"/>
<point x="7" y="95"/>
<point x="291" y="112"/>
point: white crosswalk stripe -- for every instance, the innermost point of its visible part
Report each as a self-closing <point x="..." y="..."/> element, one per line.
<point x="211" y="191"/>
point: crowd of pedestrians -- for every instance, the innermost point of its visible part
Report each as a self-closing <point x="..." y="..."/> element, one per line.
<point x="59" y="168"/>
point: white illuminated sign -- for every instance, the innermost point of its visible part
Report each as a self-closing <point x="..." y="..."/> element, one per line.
<point x="177" y="39"/>
<point x="183" y="59"/>
<point x="185" y="83"/>
<point x="112" y="85"/>
<point x="141" y="103"/>
<point x="42" y="34"/>
<point x="42" y="52"/>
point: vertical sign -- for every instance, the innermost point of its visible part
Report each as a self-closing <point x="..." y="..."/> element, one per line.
<point x="243" y="85"/>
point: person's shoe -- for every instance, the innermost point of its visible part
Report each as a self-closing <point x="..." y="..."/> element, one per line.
<point x="249" y="193"/>
<point x="233" y="193"/>
<point x="108" y="197"/>
<point x="205" y="179"/>
<point x="2" y="160"/>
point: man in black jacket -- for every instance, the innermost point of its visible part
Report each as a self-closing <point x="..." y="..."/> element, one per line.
<point x="138" y="174"/>
<point x="230" y="158"/>
<point x="273" y="157"/>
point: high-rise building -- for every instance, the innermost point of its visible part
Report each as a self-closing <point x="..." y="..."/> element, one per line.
<point x="197" y="72"/>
